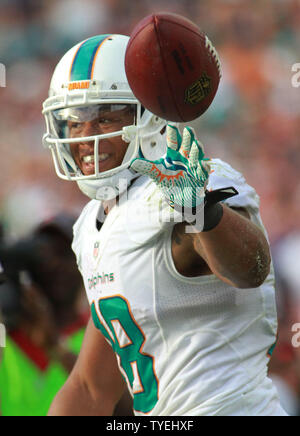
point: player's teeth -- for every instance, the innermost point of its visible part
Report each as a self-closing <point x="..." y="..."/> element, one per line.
<point x="88" y="159"/>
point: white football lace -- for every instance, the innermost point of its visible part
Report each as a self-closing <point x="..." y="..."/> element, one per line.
<point x="214" y="54"/>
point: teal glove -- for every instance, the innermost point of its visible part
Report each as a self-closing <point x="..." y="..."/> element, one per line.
<point x="182" y="174"/>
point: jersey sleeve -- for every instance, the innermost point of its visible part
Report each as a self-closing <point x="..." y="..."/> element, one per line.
<point x="223" y="176"/>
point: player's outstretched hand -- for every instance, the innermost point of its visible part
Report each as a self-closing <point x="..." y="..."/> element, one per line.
<point x="182" y="174"/>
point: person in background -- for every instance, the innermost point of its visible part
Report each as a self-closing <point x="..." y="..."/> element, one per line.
<point x="45" y="319"/>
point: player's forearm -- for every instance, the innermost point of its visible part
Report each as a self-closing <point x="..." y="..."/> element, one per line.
<point x="236" y="250"/>
<point x="75" y="399"/>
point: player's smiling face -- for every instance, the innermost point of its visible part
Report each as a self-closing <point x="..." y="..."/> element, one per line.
<point x="111" y="150"/>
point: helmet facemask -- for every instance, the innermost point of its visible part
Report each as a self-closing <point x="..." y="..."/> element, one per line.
<point x="89" y="79"/>
<point x="87" y="128"/>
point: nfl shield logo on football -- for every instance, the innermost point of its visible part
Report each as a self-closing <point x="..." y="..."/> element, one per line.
<point x="198" y="90"/>
<point x="96" y="249"/>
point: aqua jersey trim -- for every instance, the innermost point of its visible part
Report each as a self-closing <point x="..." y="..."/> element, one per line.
<point x="271" y="349"/>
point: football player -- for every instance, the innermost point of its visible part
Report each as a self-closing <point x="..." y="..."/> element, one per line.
<point x="173" y="253"/>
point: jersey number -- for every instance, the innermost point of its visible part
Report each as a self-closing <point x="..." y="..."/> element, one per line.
<point x="115" y="316"/>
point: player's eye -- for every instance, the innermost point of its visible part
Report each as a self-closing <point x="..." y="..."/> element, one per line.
<point x="108" y="119"/>
<point x="105" y="121"/>
<point x="75" y="125"/>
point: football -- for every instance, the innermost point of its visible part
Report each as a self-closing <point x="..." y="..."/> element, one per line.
<point x="172" y="67"/>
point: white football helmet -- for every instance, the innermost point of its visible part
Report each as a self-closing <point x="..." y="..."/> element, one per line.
<point x="91" y="76"/>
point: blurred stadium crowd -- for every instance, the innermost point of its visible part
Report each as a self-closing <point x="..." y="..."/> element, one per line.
<point x="254" y="122"/>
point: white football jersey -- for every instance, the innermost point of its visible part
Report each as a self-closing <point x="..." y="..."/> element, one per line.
<point x="185" y="346"/>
